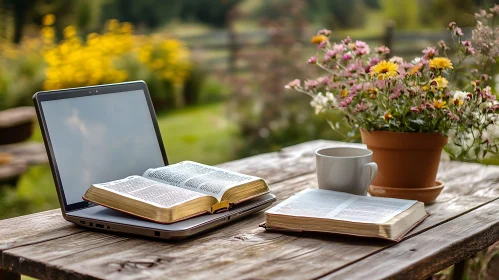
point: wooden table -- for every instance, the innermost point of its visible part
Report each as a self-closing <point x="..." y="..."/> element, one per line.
<point x="464" y="220"/>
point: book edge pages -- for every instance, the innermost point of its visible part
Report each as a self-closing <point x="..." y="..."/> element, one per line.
<point x="146" y="218"/>
<point x="403" y="235"/>
<point x="398" y="239"/>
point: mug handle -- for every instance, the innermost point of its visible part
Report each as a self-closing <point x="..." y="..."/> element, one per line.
<point x="373" y="168"/>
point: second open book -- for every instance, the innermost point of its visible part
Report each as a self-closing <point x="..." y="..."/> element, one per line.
<point x="177" y="192"/>
<point x="337" y="212"/>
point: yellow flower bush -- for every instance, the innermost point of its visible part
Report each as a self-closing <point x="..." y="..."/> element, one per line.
<point x="74" y="62"/>
<point x="168" y="58"/>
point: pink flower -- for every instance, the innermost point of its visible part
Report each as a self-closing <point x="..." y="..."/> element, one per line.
<point x="495" y="10"/>
<point x="323" y="81"/>
<point x="494" y="108"/>
<point x="322" y="45"/>
<point x="458" y="31"/>
<point x="346" y="101"/>
<point x="466" y="43"/>
<point x="406" y="65"/>
<point x="452" y="25"/>
<point x="293" y="84"/>
<point x="442" y="44"/>
<point x="361" y="48"/>
<point x="453" y="117"/>
<point x="397" y="91"/>
<point x="361" y="107"/>
<point x="325" y="32"/>
<point x="429" y="53"/>
<point x="395" y="95"/>
<point x="310" y="84"/>
<point x="339" y="48"/>
<point x="347" y="40"/>
<point x="347" y="56"/>
<point x="355" y="89"/>
<point x="486" y="94"/>
<point x="397" y="60"/>
<point x="470" y="50"/>
<point x="380" y="84"/>
<point x="382" y="50"/>
<point x="312" y="60"/>
<point x="326" y="58"/>
<point x="414" y="109"/>
<point x="373" y="61"/>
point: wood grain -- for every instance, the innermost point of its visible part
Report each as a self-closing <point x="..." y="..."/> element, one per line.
<point x="239" y="248"/>
<point x="34" y="228"/>
<point x="242" y="250"/>
<point x="431" y="251"/>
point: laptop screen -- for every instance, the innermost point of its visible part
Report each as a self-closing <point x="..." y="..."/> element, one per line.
<point x="100" y="138"/>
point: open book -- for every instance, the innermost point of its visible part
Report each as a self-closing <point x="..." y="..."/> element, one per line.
<point x="177" y="192"/>
<point x="337" y="212"/>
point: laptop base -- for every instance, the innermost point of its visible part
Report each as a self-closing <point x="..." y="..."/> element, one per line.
<point x="102" y="218"/>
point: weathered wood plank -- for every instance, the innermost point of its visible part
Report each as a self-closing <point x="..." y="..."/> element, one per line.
<point x="431" y="251"/>
<point x="288" y="163"/>
<point x="274" y="167"/>
<point x="34" y="228"/>
<point x="243" y="250"/>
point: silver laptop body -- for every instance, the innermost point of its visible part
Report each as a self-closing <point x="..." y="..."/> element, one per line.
<point x="102" y="133"/>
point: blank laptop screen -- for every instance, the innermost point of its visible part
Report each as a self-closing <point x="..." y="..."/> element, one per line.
<point x="100" y="138"/>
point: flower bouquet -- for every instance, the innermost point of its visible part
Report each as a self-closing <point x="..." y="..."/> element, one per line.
<point x="407" y="110"/>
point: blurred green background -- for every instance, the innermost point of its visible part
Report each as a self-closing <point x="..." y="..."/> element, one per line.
<point x="215" y="68"/>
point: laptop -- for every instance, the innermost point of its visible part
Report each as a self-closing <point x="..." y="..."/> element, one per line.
<point x="108" y="132"/>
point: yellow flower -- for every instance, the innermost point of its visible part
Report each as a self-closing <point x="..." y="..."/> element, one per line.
<point x="344" y="93"/>
<point x="318" y="39"/>
<point x="387" y="116"/>
<point x="385" y="69"/>
<point x="415" y="69"/>
<point x="48" y="19"/>
<point x="440" y="63"/>
<point x="440" y="81"/>
<point x="372" y="92"/>
<point x="439" y="104"/>
<point x="457" y="101"/>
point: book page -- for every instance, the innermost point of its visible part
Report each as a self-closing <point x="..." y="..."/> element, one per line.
<point x="149" y="191"/>
<point x="317" y="203"/>
<point x="198" y="177"/>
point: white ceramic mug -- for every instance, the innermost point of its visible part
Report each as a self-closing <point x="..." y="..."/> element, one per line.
<point x="345" y="169"/>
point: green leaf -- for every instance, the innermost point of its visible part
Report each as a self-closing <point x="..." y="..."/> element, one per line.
<point x="418" y="121"/>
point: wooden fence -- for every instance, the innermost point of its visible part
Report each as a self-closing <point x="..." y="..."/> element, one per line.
<point x="226" y="44"/>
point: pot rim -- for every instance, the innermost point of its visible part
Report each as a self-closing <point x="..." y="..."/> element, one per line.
<point x="439" y="185"/>
<point x="396" y="132"/>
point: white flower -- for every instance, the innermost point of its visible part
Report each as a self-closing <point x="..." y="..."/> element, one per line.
<point x="460" y="95"/>
<point x="416" y="60"/>
<point x="319" y="102"/>
<point x="397" y="59"/>
<point x="492" y="103"/>
<point x="332" y="99"/>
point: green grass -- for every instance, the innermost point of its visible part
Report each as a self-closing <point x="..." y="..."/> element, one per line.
<point x="202" y="134"/>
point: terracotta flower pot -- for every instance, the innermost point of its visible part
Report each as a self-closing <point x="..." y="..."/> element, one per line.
<point x="406" y="161"/>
